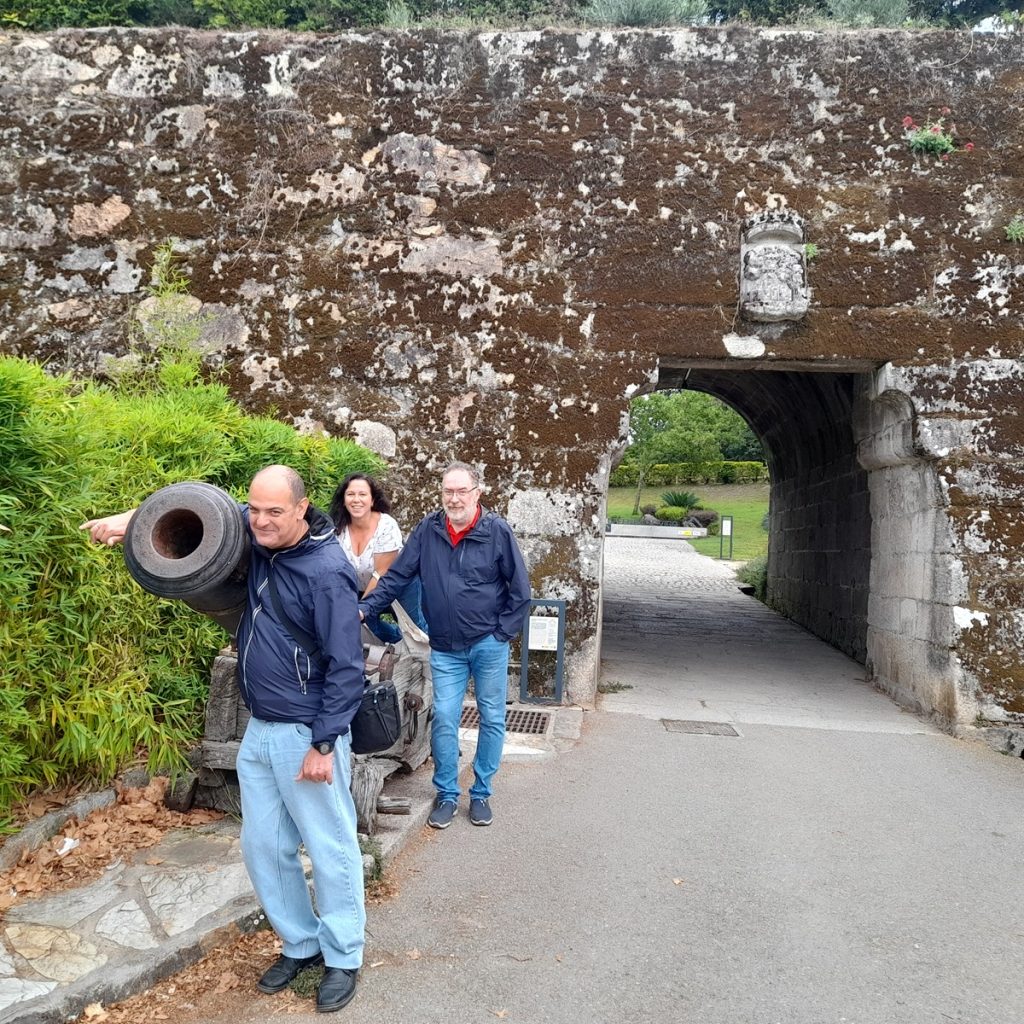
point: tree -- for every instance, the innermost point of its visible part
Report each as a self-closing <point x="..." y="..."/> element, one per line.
<point x="685" y="426"/>
<point x="685" y="416"/>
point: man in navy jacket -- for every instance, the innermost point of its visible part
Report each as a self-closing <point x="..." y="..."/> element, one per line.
<point x="293" y="764"/>
<point x="476" y="595"/>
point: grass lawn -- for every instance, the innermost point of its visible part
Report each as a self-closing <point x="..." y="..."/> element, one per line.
<point x="746" y="503"/>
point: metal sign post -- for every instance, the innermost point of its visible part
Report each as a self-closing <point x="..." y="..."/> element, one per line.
<point x="726" y="531"/>
<point x="544" y="632"/>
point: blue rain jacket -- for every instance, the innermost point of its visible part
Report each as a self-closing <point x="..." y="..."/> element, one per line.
<point x="477" y="588"/>
<point x="279" y="681"/>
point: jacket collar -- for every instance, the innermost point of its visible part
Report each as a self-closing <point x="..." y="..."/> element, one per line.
<point x="439" y="522"/>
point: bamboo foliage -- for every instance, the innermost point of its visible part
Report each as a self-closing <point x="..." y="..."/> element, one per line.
<point x="95" y="673"/>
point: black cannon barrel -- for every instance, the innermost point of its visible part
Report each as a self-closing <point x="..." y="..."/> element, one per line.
<point x="187" y="541"/>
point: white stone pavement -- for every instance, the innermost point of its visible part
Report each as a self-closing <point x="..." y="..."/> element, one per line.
<point x="798" y="680"/>
<point x="57" y="944"/>
<point x="174" y="902"/>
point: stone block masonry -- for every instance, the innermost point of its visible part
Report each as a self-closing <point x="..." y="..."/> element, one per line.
<point x="483" y="245"/>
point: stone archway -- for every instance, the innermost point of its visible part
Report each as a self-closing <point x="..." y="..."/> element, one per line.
<point x="820" y="526"/>
<point x="918" y="583"/>
<point x="860" y="549"/>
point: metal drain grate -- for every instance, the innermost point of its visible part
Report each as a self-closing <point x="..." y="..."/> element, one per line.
<point x="699" y="728"/>
<point x="534" y="723"/>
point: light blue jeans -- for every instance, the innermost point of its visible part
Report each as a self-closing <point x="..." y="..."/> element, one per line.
<point x="487" y="662"/>
<point x="278" y="814"/>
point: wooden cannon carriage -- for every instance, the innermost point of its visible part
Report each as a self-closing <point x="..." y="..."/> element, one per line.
<point x="214" y="782"/>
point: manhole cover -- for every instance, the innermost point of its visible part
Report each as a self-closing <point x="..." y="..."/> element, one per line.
<point x="700" y="728"/>
<point x="535" y="723"/>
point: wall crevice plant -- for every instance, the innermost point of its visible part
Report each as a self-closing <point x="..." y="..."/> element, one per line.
<point x="935" y="137"/>
<point x="1014" y="230"/>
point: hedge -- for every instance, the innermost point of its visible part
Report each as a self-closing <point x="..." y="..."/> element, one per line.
<point x="667" y="473"/>
<point x="97" y="673"/>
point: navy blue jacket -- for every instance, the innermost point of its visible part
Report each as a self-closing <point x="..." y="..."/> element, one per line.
<point x="317" y="587"/>
<point x="477" y="588"/>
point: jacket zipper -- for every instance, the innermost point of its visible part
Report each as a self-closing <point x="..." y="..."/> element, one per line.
<point x="457" y="551"/>
<point x="252" y="633"/>
<point x="295" y="649"/>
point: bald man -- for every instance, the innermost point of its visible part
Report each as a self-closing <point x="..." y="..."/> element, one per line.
<point x="294" y="764"/>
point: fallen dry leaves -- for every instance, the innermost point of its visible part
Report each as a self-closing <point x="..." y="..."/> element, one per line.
<point x="136" y="821"/>
<point x="43" y="802"/>
<point x="224" y="981"/>
<point x="208" y="987"/>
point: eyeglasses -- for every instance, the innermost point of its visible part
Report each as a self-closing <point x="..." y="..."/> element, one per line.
<point x="461" y="492"/>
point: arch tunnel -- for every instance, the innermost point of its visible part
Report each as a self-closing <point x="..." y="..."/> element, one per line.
<point x="855" y="520"/>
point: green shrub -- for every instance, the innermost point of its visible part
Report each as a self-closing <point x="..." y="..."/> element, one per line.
<point x="933" y="138"/>
<point x="755" y="574"/>
<point x="870" y="13"/>
<point x="396" y="15"/>
<point x="671" y="514"/>
<point x="243" y="13"/>
<point x="668" y="474"/>
<point x="645" y="13"/>
<point x="43" y="15"/>
<point x="97" y="672"/>
<point x="649" y="510"/>
<point x="680" y="499"/>
<point x="166" y="12"/>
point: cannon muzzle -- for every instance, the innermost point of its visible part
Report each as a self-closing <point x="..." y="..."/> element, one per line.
<point x="188" y="542"/>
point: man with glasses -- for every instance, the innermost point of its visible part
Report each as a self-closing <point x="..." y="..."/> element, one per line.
<point x="476" y="594"/>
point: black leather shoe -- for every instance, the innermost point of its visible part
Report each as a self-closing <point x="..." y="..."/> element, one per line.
<point x="336" y="989"/>
<point x="284" y="971"/>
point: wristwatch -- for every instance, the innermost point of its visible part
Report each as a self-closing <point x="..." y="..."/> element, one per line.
<point x="324" y="748"/>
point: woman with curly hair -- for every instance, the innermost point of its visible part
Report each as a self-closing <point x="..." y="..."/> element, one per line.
<point x="371" y="540"/>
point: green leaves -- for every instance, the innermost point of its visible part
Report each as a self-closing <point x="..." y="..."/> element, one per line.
<point x="687" y="426"/>
<point x="95" y="672"/>
<point x="646" y="13"/>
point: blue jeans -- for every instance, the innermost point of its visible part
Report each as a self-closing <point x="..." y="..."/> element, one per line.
<point x="278" y="814"/>
<point x="410" y="600"/>
<point x="487" y="662"/>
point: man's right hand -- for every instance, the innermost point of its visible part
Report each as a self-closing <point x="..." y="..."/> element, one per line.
<point x="110" y="530"/>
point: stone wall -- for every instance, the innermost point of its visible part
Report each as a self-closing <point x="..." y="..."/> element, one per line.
<point x="821" y="520"/>
<point x="484" y="245"/>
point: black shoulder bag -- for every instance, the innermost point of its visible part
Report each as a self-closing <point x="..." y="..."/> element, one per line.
<point x="378" y="722"/>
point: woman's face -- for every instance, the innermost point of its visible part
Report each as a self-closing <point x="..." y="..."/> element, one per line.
<point x="358" y="499"/>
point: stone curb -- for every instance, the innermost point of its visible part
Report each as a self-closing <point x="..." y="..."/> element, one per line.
<point x="136" y="970"/>
<point x="141" y="971"/>
<point x="38" y="832"/>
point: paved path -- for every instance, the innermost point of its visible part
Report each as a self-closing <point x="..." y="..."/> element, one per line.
<point x="692" y="647"/>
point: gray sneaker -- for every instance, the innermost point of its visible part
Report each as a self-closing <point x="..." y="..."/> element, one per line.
<point x="480" y="811"/>
<point x="442" y="814"/>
